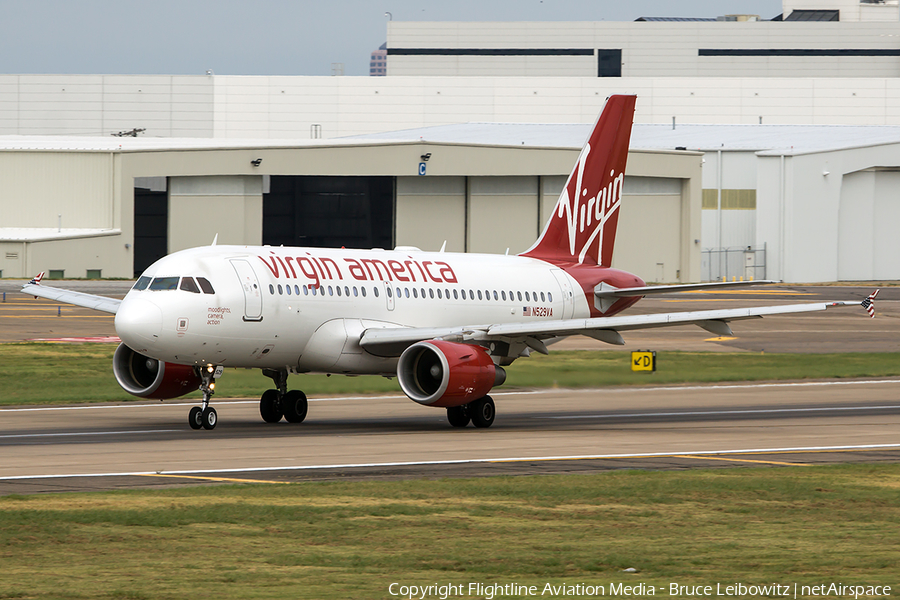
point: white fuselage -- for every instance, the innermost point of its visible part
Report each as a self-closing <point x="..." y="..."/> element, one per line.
<point x="304" y="309"/>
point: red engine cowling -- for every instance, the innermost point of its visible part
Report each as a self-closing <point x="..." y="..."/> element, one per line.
<point x="147" y="377"/>
<point x="438" y="373"/>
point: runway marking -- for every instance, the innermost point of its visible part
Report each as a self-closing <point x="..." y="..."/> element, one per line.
<point x="719" y="339"/>
<point x="720" y="412"/>
<point x="226" y="479"/>
<point x="617" y="390"/>
<point x="42" y="435"/>
<point x="745" y="460"/>
<point x="810" y="449"/>
<point x="759" y="292"/>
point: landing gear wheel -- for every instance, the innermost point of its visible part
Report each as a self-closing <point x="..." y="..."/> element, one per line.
<point x="270" y="406"/>
<point x="482" y="412"/>
<point x="209" y="418"/>
<point x="195" y="418"/>
<point x="458" y="416"/>
<point x="295" y="406"/>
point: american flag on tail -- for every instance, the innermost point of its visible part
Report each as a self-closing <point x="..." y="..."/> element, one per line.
<point x="37" y="279"/>
<point x="869" y="304"/>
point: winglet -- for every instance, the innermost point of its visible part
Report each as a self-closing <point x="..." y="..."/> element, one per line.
<point x="869" y="304"/>
<point x="215" y="239"/>
<point x="36" y="280"/>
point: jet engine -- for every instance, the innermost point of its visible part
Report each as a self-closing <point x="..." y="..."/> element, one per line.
<point x="147" y="377"/>
<point x="438" y="373"/>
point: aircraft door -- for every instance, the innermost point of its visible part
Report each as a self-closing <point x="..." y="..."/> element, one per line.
<point x="568" y="297"/>
<point x="250" y="285"/>
<point x="389" y="295"/>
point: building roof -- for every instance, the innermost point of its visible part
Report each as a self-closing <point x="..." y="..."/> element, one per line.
<point x="35" y="234"/>
<point x="791" y="139"/>
<point x="814" y="15"/>
<point x="676" y="19"/>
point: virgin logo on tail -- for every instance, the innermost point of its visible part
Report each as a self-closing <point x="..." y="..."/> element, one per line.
<point x="582" y="229"/>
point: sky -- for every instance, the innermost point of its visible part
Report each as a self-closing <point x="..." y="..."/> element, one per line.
<point x="270" y="37"/>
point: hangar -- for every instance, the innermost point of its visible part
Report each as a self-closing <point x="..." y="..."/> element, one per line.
<point x="91" y="206"/>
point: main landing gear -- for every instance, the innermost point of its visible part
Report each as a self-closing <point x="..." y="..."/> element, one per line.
<point x="481" y="412"/>
<point x="205" y="416"/>
<point x="278" y="403"/>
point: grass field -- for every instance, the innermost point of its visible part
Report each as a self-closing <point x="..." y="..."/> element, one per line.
<point x="805" y="525"/>
<point x="40" y="373"/>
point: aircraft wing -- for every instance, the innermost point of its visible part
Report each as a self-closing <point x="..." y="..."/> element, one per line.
<point x="394" y="340"/>
<point x="102" y="303"/>
<point x="607" y="294"/>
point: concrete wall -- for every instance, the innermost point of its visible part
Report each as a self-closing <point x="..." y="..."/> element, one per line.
<point x="288" y="107"/>
<point x="227" y="208"/>
<point x="649" y="49"/>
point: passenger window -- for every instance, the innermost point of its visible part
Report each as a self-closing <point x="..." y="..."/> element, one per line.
<point x="346" y="291"/>
<point x="389" y="293"/>
<point x="287" y="288"/>
<point x="431" y="293"/>
<point x="305" y="291"/>
<point x="141" y="284"/>
<point x="164" y="284"/>
<point x="205" y="285"/>
<point x="415" y="293"/>
<point x="503" y="295"/>
<point x="280" y="291"/>
<point x="463" y="292"/>
<point x="520" y="296"/>
<point x="374" y="290"/>
<point x="527" y="297"/>
<point x="363" y="290"/>
<point x="189" y="285"/>
<point x="338" y="290"/>
<point x="355" y="291"/>
<point x="296" y="290"/>
<point x="549" y="296"/>
<point x="330" y="291"/>
<point x="407" y="292"/>
<point x="495" y="295"/>
<point x="439" y="294"/>
<point x="271" y="289"/>
<point x="454" y="295"/>
<point x="542" y="297"/>
<point x="479" y="294"/>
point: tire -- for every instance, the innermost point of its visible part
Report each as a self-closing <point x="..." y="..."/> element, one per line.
<point x="195" y="418"/>
<point x="270" y="407"/>
<point x="295" y="406"/>
<point x="482" y="412"/>
<point x="458" y="416"/>
<point x="210" y="418"/>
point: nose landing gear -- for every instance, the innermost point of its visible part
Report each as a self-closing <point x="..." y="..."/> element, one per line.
<point x="205" y="416"/>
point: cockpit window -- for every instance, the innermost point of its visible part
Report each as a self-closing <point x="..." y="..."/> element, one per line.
<point x="189" y="285"/>
<point x="164" y="283"/>
<point x="141" y="284"/>
<point x="205" y="285"/>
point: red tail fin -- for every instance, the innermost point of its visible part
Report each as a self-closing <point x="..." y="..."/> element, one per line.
<point x="582" y="228"/>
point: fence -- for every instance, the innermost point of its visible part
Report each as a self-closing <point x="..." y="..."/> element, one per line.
<point x="725" y="264"/>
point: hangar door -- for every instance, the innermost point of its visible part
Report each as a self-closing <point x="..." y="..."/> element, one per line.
<point x="151" y="216"/>
<point x="329" y="212"/>
<point x="868" y="246"/>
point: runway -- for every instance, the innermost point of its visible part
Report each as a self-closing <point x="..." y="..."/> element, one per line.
<point x="549" y="431"/>
<point x="542" y="431"/>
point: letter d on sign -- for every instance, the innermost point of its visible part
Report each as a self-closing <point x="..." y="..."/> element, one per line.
<point x="643" y="360"/>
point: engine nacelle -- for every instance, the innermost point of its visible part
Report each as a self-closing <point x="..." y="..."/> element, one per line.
<point x="438" y="373"/>
<point x="147" y="377"/>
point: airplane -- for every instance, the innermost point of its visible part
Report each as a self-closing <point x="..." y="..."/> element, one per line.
<point x="445" y="324"/>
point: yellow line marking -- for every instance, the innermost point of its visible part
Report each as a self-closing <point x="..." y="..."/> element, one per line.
<point x="719" y="339"/>
<point x="746" y="460"/>
<point x="228" y="479"/>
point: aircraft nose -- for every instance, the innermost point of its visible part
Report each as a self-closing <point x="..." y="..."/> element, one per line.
<point x="138" y="322"/>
